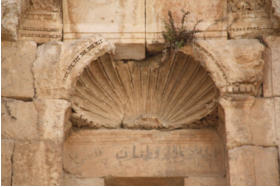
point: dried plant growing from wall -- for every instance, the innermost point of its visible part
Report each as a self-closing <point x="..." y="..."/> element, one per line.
<point x="176" y="37"/>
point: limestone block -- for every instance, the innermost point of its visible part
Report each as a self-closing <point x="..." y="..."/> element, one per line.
<point x="138" y="153"/>
<point x="120" y="21"/>
<point x="129" y="51"/>
<point x="234" y="69"/>
<point x="17" y="59"/>
<point x="249" y="121"/>
<point x="19" y="120"/>
<point x="249" y="18"/>
<point x="271" y="83"/>
<point x="42" y="22"/>
<point x="58" y="64"/>
<point x="53" y="118"/>
<point x="70" y="180"/>
<point x="252" y="165"/>
<point x="211" y="13"/>
<point x="7" y="148"/>
<point x="37" y="163"/>
<point x="205" y="181"/>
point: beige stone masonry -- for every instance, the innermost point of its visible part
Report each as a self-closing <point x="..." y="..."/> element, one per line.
<point x="70" y="180"/>
<point x="120" y="21"/>
<point x="42" y="21"/>
<point x="38" y="129"/>
<point x="59" y="64"/>
<point x="253" y="165"/>
<point x="141" y="153"/>
<point x="17" y="60"/>
<point x="117" y="20"/>
<point x="249" y="121"/>
<point x="54" y="118"/>
<point x="9" y="22"/>
<point x="19" y="120"/>
<point x="271" y="83"/>
<point x="7" y="148"/>
<point x="250" y="18"/>
<point x="42" y="119"/>
<point x="37" y="163"/>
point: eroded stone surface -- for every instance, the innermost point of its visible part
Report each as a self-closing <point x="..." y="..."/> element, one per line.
<point x="19" y="120"/>
<point x="17" y="59"/>
<point x="272" y="67"/>
<point x="59" y="64"/>
<point x="233" y="70"/>
<point x="7" y="148"/>
<point x="136" y="153"/>
<point x="205" y="181"/>
<point x="9" y="20"/>
<point x="42" y="21"/>
<point x="249" y="121"/>
<point x="37" y="163"/>
<point x="252" y="165"/>
<point x="211" y="13"/>
<point x="53" y="118"/>
<point x="249" y="18"/>
<point x="70" y="180"/>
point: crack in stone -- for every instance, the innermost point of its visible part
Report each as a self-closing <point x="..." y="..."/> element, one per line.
<point x="12" y="164"/>
<point x="9" y="110"/>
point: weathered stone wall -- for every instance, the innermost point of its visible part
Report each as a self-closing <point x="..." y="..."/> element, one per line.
<point x="47" y="44"/>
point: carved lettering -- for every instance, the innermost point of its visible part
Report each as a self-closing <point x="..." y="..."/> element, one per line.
<point x="80" y="55"/>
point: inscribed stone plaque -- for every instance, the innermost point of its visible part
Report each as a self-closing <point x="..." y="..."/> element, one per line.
<point x="141" y="153"/>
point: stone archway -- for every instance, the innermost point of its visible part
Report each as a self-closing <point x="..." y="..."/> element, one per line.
<point x="120" y="109"/>
<point x="69" y="70"/>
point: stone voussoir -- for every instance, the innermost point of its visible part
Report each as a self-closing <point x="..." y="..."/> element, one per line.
<point x="60" y="63"/>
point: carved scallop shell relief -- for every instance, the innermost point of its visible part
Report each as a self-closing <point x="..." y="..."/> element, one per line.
<point x="146" y="94"/>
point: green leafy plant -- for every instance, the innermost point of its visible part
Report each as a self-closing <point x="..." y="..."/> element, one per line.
<point x="177" y="36"/>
